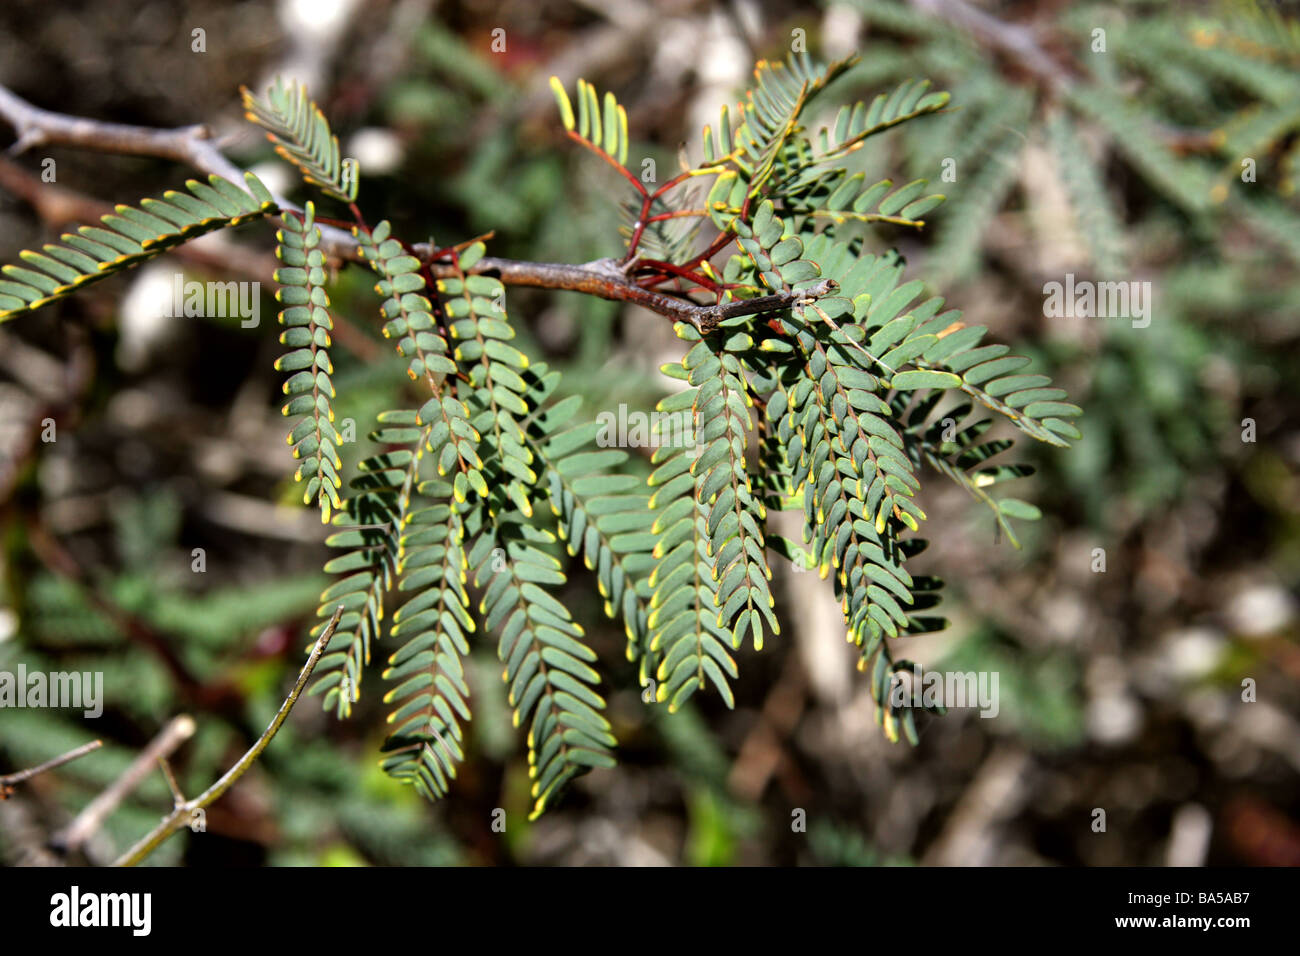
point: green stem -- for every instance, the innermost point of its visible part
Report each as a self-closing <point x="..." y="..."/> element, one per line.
<point x="181" y="814"/>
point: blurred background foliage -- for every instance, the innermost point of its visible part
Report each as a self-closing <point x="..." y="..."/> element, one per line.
<point x="1120" y="688"/>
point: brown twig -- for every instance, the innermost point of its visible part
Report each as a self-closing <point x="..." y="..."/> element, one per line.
<point x="93" y="815"/>
<point x="186" y="144"/>
<point x="606" y="279"/>
<point x="10" y="780"/>
<point x="177" y="797"/>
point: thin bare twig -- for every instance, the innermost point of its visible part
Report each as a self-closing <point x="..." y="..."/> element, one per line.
<point x="184" y="811"/>
<point x="177" y="797"/>
<point x="11" y="780"/>
<point x="186" y="144"/>
<point x="93" y="815"/>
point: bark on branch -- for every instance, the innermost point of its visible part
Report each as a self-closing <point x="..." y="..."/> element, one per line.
<point x="605" y="278"/>
<point x="184" y="144"/>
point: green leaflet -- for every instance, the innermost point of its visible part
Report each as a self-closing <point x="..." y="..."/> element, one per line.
<point x="601" y="518"/>
<point x="685" y="630"/>
<point x="723" y="491"/>
<point x="918" y="378"/>
<point x="495" y="399"/>
<point x="127" y="238"/>
<point x="949" y="444"/>
<point x="834" y="409"/>
<point x="410" y="321"/>
<point x="769" y="127"/>
<point x="855" y="124"/>
<point x="314" y="439"/>
<point x="371" y="524"/>
<point x="843" y="442"/>
<point x="301" y="135"/>
<point x="431" y="696"/>
<point x="547" y="667"/>
<point x="603" y="131"/>
<point x="903" y="331"/>
<point x="842" y="198"/>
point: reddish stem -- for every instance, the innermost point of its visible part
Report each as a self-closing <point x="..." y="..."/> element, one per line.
<point x="636" y="183"/>
<point x="679" y="214"/>
<point x="671" y="184"/>
<point x="679" y="271"/>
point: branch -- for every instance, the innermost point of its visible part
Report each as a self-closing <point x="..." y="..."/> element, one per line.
<point x="89" y="820"/>
<point x="177" y="797"/>
<point x="182" y="812"/>
<point x="185" y="144"/>
<point x="607" y="279"/>
<point x="11" y="780"/>
<point x="604" y="278"/>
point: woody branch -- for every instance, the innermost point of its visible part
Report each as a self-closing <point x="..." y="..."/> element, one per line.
<point x="193" y="145"/>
